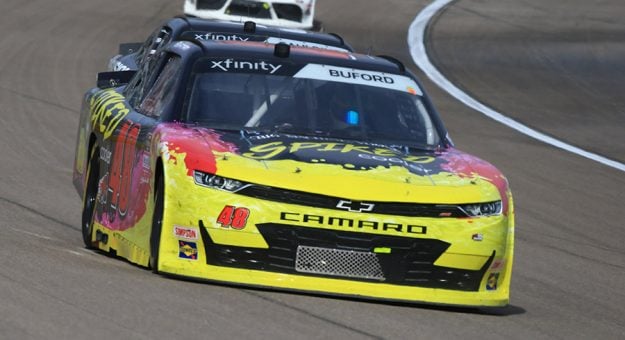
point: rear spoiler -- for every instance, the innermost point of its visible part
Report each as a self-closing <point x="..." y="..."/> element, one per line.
<point x="127" y="48"/>
<point x="107" y="80"/>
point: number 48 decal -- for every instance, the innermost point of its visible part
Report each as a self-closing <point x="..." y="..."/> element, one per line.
<point x="233" y="217"/>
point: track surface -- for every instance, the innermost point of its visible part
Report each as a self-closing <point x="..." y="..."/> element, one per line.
<point x="555" y="69"/>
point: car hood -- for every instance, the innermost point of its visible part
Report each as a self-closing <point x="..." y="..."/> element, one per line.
<point x="334" y="167"/>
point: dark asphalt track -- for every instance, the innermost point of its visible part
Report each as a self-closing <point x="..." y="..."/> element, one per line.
<point x="558" y="68"/>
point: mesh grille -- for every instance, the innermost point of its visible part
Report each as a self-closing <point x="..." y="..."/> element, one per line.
<point x="338" y="262"/>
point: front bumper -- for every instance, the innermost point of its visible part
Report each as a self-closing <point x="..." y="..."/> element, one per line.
<point x="456" y="261"/>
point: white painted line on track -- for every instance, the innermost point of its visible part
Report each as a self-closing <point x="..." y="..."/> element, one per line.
<point x="416" y="43"/>
<point x="33" y="234"/>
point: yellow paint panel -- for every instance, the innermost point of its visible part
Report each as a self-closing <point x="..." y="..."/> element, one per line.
<point x="237" y="238"/>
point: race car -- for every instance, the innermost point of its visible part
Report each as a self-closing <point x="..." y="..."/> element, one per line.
<point x="131" y="55"/>
<point x="285" y="13"/>
<point x="290" y="168"/>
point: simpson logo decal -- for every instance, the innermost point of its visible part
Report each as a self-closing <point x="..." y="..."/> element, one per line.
<point x="240" y="65"/>
<point x="360" y="77"/>
<point x="491" y="283"/>
<point x="108" y="108"/>
<point x="186" y="233"/>
<point x="187" y="250"/>
<point x="233" y="217"/>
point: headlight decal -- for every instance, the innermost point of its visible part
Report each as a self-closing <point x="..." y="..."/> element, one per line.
<point x="217" y="182"/>
<point x="482" y="209"/>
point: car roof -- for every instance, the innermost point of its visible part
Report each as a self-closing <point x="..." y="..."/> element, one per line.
<point x="300" y="55"/>
<point x="181" y="24"/>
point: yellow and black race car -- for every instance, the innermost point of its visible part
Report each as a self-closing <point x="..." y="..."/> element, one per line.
<point x="292" y="168"/>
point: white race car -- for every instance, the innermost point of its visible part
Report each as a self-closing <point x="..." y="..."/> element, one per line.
<point x="285" y="13"/>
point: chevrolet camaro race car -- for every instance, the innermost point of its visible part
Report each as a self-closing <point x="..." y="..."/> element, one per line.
<point x="291" y="168"/>
<point x="284" y="13"/>
<point x="133" y="54"/>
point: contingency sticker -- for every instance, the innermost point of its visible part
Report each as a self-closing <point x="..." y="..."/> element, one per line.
<point x="187" y="250"/>
<point x="491" y="284"/>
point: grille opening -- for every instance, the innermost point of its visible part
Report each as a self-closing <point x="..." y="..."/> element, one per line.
<point x="210" y="4"/>
<point x="288" y="12"/>
<point x="336" y="262"/>
<point x="249" y="8"/>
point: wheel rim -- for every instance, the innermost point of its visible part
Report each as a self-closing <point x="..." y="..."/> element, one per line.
<point x="90" y="200"/>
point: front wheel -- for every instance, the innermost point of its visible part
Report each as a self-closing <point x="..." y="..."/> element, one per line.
<point x="90" y="198"/>
<point x="157" y="222"/>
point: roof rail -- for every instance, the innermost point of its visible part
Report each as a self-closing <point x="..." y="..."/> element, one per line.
<point x="395" y="61"/>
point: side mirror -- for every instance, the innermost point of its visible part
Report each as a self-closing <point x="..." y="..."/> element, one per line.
<point x="107" y="80"/>
<point x="127" y="48"/>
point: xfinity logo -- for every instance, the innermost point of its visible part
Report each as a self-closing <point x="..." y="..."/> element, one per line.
<point x="219" y="37"/>
<point x="228" y="64"/>
<point x="355" y="206"/>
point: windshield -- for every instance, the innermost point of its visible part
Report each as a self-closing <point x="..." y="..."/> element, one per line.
<point x="308" y="104"/>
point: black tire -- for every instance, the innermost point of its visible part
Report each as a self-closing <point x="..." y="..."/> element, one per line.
<point x="91" y="194"/>
<point x="157" y="222"/>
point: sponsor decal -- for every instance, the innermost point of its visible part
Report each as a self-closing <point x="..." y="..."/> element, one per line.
<point x="186" y="232"/>
<point x="331" y="221"/>
<point x="219" y="37"/>
<point x="241" y="65"/>
<point x="121" y="168"/>
<point x="108" y="108"/>
<point x="497" y="264"/>
<point x="350" y="156"/>
<point x="361" y="77"/>
<point x="102" y="186"/>
<point x="298" y="43"/>
<point x="235" y="217"/>
<point x="491" y="283"/>
<point x="477" y="237"/>
<point x="146" y="162"/>
<point x="187" y="250"/>
<point x="370" y="77"/>
<point x="105" y="155"/>
<point x="368" y="152"/>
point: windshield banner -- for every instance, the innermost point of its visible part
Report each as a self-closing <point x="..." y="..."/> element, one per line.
<point x="360" y="77"/>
